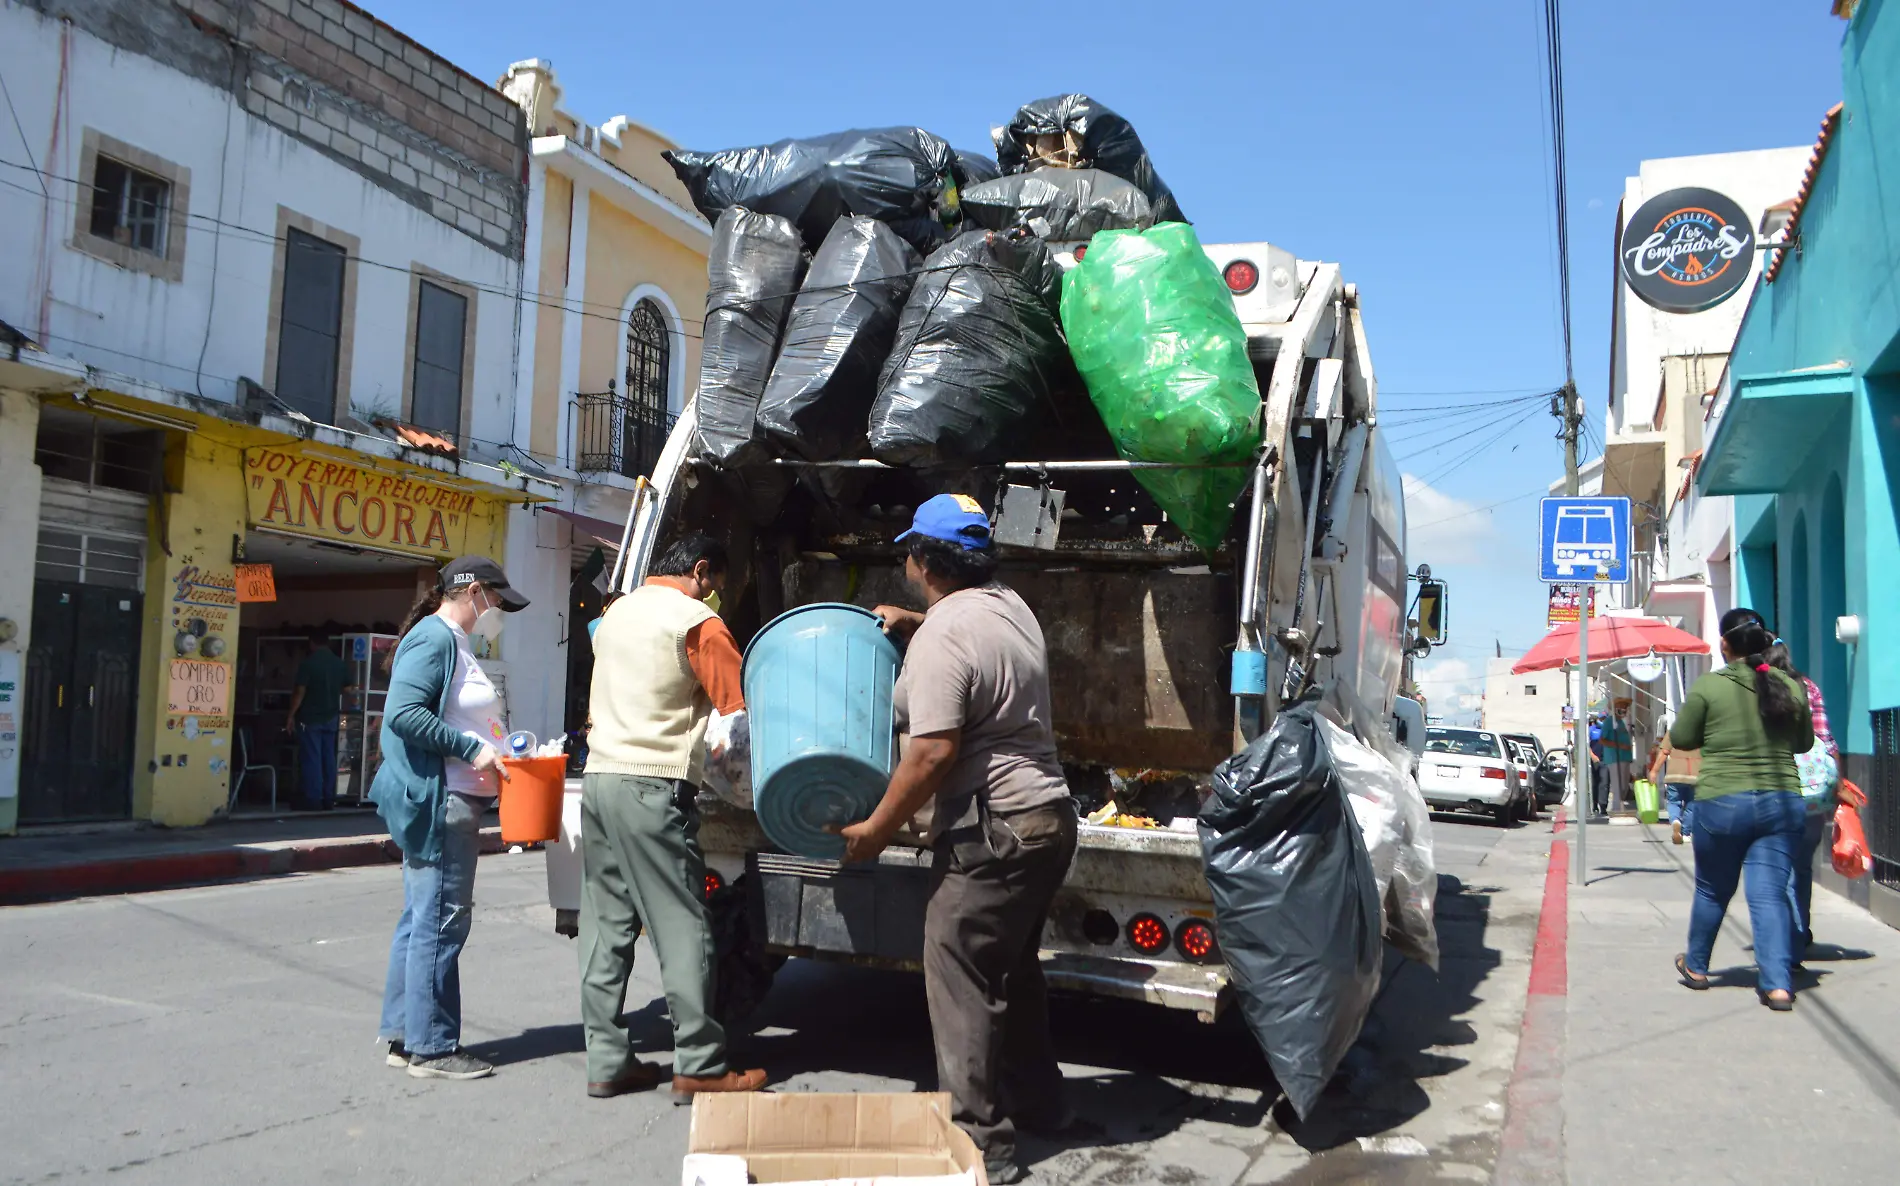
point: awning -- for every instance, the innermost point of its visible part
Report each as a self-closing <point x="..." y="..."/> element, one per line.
<point x="604" y="530"/>
<point x="1633" y="467"/>
<point x="1769" y="427"/>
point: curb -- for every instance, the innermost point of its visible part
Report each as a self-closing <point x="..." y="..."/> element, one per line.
<point x="85" y="879"/>
<point x="1531" y="1147"/>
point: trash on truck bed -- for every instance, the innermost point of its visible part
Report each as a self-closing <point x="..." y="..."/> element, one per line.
<point x="1076" y="132"/>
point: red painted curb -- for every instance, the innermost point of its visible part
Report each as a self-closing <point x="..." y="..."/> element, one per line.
<point x="136" y="874"/>
<point x="1531" y="1147"/>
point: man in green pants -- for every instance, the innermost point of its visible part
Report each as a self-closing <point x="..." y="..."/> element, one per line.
<point x="662" y="662"/>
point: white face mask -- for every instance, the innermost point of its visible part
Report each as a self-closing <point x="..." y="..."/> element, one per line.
<point x="489" y="622"/>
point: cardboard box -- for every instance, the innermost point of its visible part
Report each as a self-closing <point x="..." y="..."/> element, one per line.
<point x="809" y="1137"/>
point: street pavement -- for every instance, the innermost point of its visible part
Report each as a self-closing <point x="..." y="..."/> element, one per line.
<point x="224" y="1034"/>
<point x="1662" y="1084"/>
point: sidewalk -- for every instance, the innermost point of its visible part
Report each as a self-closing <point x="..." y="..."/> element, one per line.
<point x="1661" y="1084"/>
<point x="47" y="865"/>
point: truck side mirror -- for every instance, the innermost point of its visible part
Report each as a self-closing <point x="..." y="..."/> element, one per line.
<point x="1432" y="612"/>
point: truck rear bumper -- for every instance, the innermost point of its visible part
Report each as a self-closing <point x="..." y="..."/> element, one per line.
<point x="1200" y="990"/>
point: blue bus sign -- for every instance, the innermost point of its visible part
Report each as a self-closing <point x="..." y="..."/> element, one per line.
<point x="1584" y="540"/>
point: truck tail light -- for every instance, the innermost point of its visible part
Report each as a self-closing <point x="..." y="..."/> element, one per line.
<point x="1241" y="276"/>
<point x="1098" y="927"/>
<point x="1081" y="251"/>
<point x="1195" y="940"/>
<point x="714" y="883"/>
<point x="1147" y="934"/>
<point x="1493" y="772"/>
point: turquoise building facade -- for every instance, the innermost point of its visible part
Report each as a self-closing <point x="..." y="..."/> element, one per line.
<point x="1808" y="435"/>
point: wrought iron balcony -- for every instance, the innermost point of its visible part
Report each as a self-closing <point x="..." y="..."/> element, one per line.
<point x="616" y="434"/>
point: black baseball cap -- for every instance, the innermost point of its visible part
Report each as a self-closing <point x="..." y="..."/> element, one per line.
<point x="468" y="570"/>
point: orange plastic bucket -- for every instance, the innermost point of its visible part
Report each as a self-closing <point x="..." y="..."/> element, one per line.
<point x="531" y="799"/>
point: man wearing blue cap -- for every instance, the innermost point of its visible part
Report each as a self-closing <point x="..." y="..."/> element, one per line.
<point x="973" y="702"/>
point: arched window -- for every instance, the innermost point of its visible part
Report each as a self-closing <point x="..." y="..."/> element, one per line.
<point x="649" y="356"/>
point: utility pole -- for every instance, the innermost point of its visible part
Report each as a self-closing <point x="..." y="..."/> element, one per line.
<point x="1567" y="406"/>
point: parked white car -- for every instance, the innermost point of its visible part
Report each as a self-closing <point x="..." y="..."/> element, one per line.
<point x="1471" y="770"/>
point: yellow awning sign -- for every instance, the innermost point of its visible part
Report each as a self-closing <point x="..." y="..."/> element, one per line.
<point x="333" y="499"/>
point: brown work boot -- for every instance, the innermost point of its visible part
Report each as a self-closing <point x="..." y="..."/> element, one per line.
<point x="685" y="1087"/>
<point x="641" y="1076"/>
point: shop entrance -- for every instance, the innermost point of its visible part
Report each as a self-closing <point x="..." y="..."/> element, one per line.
<point x="353" y="600"/>
<point x="80" y="701"/>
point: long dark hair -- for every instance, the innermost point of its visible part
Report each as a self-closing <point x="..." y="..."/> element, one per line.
<point x="1749" y="637"/>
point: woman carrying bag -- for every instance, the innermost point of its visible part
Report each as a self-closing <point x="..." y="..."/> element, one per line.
<point x="442" y="724"/>
<point x="1820" y="771"/>
<point x="1749" y="720"/>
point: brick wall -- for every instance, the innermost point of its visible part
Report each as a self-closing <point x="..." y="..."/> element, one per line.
<point x="344" y="82"/>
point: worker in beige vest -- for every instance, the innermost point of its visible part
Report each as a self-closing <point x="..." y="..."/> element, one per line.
<point x="663" y="661"/>
<point x="1676" y="769"/>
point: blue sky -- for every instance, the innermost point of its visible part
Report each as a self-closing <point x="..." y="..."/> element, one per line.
<point x="1403" y="140"/>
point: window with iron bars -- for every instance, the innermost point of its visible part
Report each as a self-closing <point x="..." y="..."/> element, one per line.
<point x="1881" y="817"/>
<point x="624" y="434"/>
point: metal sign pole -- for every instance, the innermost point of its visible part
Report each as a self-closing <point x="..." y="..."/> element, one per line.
<point x="1585" y="786"/>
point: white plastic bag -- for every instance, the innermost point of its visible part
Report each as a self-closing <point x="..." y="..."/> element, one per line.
<point x="729" y="758"/>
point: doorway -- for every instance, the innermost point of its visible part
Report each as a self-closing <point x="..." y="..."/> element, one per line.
<point x="80" y="703"/>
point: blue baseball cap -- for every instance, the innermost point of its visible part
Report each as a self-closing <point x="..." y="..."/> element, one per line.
<point x="954" y="519"/>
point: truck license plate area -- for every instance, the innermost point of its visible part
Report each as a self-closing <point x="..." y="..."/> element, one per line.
<point x="820" y="906"/>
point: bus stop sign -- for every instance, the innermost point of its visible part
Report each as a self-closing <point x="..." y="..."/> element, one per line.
<point x="1583" y="540"/>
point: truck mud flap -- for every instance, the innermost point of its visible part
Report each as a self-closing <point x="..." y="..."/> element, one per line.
<point x="809" y="907"/>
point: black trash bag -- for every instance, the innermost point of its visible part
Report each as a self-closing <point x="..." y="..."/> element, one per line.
<point x="1076" y="132"/>
<point x="973" y="168"/>
<point x="895" y="175"/>
<point x="1061" y="205"/>
<point x="1296" y="904"/>
<point x="977" y="350"/>
<point x="836" y="340"/>
<point x="752" y="273"/>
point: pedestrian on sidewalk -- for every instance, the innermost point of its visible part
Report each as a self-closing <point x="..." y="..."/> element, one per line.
<point x="1820" y="770"/>
<point x="1619" y="751"/>
<point x="973" y="699"/>
<point x="1676" y="769"/>
<point x="663" y="660"/>
<point x="1749" y="720"/>
<point x="315" y="706"/>
<point x="442" y="726"/>
<point x="1599" y="772"/>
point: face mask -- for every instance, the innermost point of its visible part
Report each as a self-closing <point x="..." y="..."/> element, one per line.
<point x="488" y="623"/>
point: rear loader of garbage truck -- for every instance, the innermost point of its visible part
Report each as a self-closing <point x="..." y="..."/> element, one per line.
<point x="1165" y="657"/>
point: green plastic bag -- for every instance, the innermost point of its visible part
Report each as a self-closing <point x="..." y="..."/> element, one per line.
<point x="1152" y="328"/>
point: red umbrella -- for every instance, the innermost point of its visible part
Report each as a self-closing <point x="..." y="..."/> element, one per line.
<point x="1610" y="638"/>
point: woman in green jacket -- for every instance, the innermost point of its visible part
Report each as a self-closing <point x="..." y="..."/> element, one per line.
<point x="442" y="724"/>
<point x="1749" y="720"/>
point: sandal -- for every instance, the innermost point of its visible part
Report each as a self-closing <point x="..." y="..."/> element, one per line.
<point x="1778" y="1004"/>
<point x="1690" y="979"/>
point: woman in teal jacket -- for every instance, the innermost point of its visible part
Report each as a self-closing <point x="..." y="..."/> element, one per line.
<point x="441" y="724"/>
<point x="1749" y="720"/>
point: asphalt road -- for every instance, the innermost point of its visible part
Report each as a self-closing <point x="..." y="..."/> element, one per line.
<point x="225" y="1034"/>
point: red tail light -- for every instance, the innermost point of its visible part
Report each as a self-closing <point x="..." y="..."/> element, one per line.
<point x="1147" y="934"/>
<point x="1241" y="276"/>
<point x="1195" y="940"/>
<point x="1493" y="772"/>
<point x="714" y="883"/>
<point x="1080" y="252"/>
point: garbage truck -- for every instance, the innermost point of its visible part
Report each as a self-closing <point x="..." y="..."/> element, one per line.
<point x="1165" y="657"/>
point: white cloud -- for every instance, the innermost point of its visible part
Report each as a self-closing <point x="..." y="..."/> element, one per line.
<point x="1594" y="204"/>
<point x="1441" y="529"/>
<point x="1444" y="681"/>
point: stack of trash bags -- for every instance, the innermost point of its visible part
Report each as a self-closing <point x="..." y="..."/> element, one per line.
<point x="1316" y="844"/>
<point x="878" y="293"/>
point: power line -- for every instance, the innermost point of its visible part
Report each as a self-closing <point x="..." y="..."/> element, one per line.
<point x="18" y="127"/>
<point x="1554" y="76"/>
<point x="1479" y="449"/>
<point x="1473" y="511"/>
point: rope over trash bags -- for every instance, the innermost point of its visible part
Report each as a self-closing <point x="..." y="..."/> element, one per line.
<point x="752" y="273"/>
<point x="1296" y="902"/>
<point x="903" y="176"/>
<point x="1076" y="132"/>
<point x="977" y="351"/>
<point x="1152" y="328"/>
<point x="836" y="340"/>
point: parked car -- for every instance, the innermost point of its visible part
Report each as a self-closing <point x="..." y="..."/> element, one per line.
<point x="1471" y="770"/>
<point x="1552" y="780"/>
<point x="1525" y="758"/>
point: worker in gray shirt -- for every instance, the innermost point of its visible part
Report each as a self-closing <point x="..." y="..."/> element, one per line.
<point x="973" y="702"/>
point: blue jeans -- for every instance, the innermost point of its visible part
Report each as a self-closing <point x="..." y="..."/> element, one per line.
<point x="1679" y="803"/>
<point x="422" y="996"/>
<point x="1760" y="832"/>
<point x="1801" y="887"/>
<point x="316" y="759"/>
